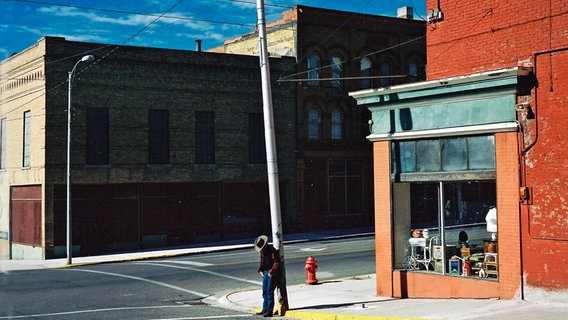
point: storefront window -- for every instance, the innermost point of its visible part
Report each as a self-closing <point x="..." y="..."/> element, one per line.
<point x="406" y="156"/>
<point x="454" y="156"/>
<point x="481" y="152"/>
<point x="429" y="159"/>
<point x="444" y="206"/>
<point x="444" y="155"/>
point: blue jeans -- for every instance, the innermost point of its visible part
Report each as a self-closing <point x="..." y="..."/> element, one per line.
<point x="268" y="286"/>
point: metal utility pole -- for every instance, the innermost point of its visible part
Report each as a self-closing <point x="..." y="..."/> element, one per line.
<point x="88" y="58"/>
<point x="271" y="161"/>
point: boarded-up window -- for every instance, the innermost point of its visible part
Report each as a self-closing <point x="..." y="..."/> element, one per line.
<point x="26" y="215"/>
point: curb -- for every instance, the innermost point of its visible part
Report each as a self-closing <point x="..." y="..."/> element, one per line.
<point x="312" y="315"/>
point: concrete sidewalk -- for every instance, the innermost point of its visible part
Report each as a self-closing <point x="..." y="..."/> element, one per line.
<point x="354" y="298"/>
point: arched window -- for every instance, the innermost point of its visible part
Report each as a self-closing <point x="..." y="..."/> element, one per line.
<point x="336" y="71"/>
<point x="313" y="69"/>
<point x="336" y="124"/>
<point x="415" y="71"/>
<point x="314" y="124"/>
<point x="386" y="70"/>
<point x="366" y="72"/>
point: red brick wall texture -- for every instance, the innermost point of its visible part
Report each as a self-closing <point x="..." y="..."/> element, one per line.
<point x="480" y="35"/>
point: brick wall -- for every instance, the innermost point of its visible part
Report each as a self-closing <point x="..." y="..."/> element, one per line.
<point x="508" y="221"/>
<point x="480" y="35"/>
<point x="383" y="218"/>
<point x="545" y="174"/>
<point x="476" y="36"/>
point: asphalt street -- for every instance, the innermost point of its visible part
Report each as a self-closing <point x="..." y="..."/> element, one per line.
<point x="167" y="288"/>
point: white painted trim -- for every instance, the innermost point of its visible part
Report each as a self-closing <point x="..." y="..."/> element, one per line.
<point x="445" y="132"/>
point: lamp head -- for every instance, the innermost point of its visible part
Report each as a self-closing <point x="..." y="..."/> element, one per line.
<point x="88" y="58"/>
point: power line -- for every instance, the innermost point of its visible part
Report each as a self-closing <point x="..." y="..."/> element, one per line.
<point x="146" y="14"/>
<point x="326" y="38"/>
<point x="98" y="60"/>
<point x="284" y="79"/>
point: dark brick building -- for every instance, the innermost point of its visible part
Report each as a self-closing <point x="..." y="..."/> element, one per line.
<point x="337" y="52"/>
<point x="167" y="148"/>
<point x="168" y="145"/>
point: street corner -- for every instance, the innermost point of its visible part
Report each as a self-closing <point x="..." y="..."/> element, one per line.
<point x="242" y="300"/>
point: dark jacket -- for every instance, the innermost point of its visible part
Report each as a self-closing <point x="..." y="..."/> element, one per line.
<point x="269" y="260"/>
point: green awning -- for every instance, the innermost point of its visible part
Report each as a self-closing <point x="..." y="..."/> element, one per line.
<point x="479" y="103"/>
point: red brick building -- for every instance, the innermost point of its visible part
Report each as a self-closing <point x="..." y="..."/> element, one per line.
<point x="484" y="131"/>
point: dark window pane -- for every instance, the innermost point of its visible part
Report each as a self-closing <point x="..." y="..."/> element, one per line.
<point x="97" y="136"/>
<point x="257" y="146"/>
<point x="404" y="157"/>
<point x="336" y="71"/>
<point x="481" y="152"/>
<point x="158" y="137"/>
<point x="345" y="186"/>
<point x="354" y="191"/>
<point x="366" y="72"/>
<point x="354" y="168"/>
<point x="313" y="69"/>
<point x="428" y="155"/>
<point x="453" y="154"/>
<point x="336" y="124"/>
<point x="424" y="205"/>
<point x="337" y="195"/>
<point x="468" y="202"/>
<point x="314" y="124"/>
<point x="204" y="137"/>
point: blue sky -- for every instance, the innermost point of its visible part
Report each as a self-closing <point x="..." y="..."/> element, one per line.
<point x="138" y="22"/>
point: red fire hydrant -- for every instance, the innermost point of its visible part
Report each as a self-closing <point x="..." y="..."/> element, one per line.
<point x="311" y="268"/>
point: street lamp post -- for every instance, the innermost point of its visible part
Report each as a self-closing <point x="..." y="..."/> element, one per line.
<point x="88" y="58"/>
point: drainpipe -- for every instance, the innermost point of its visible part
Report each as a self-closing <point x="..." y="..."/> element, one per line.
<point x="535" y="56"/>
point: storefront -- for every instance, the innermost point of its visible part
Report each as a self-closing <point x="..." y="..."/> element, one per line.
<point x="447" y="185"/>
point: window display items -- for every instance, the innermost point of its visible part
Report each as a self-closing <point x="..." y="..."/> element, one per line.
<point x="491" y="219"/>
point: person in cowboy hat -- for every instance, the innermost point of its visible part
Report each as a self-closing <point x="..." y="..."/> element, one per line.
<point x="268" y="270"/>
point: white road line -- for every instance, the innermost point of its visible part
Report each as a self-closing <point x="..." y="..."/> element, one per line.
<point x="313" y="249"/>
<point x="89" y="311"/>
<point x="202" y="270"/>
<point x="191" y="263"/>
<point x="199" y="294"/>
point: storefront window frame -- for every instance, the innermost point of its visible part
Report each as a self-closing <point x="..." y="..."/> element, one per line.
<point x="477" y="173"/>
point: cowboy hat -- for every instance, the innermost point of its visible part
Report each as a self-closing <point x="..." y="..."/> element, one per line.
<point x="260" y="242"/>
